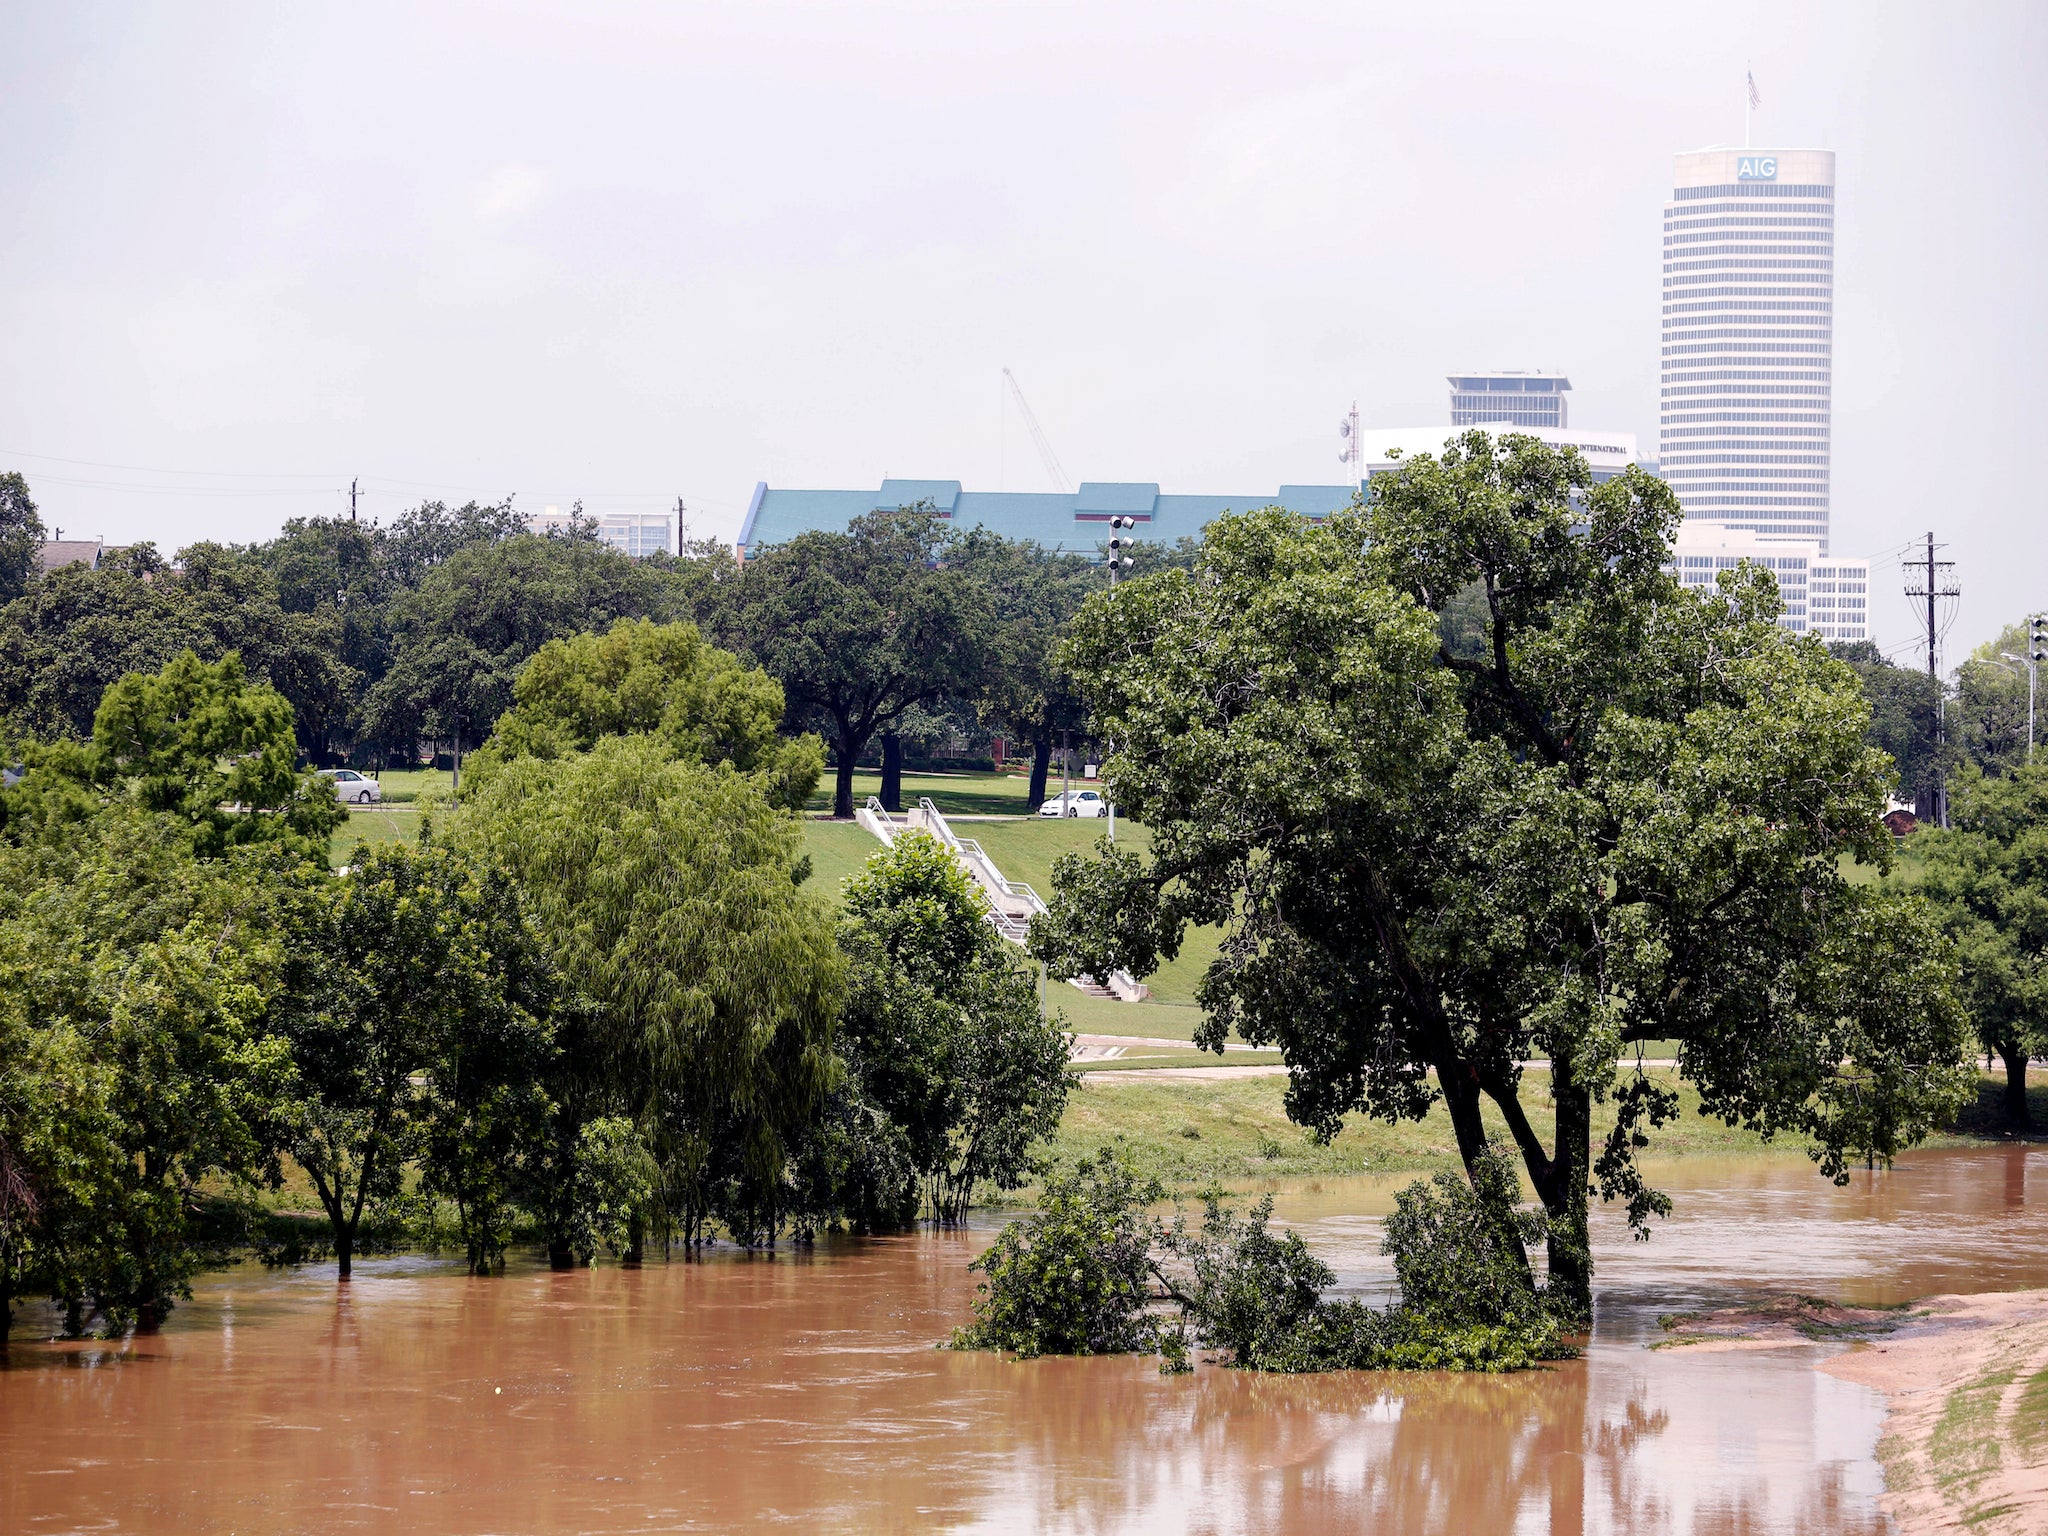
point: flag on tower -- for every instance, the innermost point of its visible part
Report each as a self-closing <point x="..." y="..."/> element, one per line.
<point x="1754" y="99"/>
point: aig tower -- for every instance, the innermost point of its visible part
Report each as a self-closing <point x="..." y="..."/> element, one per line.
<point x="1749" y="255"/>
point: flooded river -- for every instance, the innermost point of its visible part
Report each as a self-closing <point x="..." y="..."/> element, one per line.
<point x="773" y="1392"/>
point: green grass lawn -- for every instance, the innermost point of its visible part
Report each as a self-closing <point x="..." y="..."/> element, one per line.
<point x="970" y="794"/>
<point x="1236" y="1131"/>
<point x="378" y="828"/>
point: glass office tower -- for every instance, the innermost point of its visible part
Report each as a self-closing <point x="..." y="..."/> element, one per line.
<point x="1523" y="399"/>
<point x="1749" y="258"/>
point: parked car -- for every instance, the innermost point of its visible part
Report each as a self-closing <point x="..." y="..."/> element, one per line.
<point x="1075" y="802"/>
<point x="351" y="788"/>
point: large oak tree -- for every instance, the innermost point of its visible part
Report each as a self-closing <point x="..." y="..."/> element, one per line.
<point x="1614" y="812"/>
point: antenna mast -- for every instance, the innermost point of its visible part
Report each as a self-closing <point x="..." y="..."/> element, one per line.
<point x="1038" y="438"/>
<point x="1354" y="450"/>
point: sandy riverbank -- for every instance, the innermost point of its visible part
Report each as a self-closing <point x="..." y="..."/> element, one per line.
<point x="1965" y="1444"/>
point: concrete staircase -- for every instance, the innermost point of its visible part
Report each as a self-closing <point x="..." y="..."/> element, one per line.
<point x="1011" y="903"/>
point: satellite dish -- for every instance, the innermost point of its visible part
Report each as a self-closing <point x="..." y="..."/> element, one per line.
<point x="1344" y="428"/>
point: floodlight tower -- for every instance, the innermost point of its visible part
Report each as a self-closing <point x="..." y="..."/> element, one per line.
<point x="1120" y="542"/>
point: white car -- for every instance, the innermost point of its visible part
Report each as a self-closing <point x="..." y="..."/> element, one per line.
<point x="351" y="788"/>
<point x="1075" y="802"/>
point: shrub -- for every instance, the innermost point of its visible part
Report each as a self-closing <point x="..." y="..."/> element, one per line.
<point x="1073" y="1279"/>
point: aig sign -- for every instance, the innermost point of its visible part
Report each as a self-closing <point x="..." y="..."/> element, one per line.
<point x="1756" y="168"/>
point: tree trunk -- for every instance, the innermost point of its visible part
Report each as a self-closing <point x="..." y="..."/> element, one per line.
<point x="1570" y="1255"/>
<point x="2016" y="1116"/>
<point x="842" y="787"/>
<point x="636" y="1240"/>
<point x="560" y="1255"/>
<point x="345" y="1250"/>
<point x="892" y="773"/>
<point x="1041" y="765"/>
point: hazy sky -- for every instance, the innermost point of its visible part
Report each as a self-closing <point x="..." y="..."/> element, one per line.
<point x="633" y="253"/>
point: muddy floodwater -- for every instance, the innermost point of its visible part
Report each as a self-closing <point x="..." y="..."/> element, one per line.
<point x="804" y="1392"/>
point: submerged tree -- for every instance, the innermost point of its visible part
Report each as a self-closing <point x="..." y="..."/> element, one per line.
<point x="701" y="984"/>
<point x="1619" y="818"/>
<point x="415" y="1006"/>
<point x="945" y="1025"/>
<point x="1988" y="878"/>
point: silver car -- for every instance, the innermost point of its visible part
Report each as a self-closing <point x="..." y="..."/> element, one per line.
<point x="351" y="788"/>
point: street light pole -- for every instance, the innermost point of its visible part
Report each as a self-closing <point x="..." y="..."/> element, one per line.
<point x="2037" y="652"/>
<point x="1119" y="562"/>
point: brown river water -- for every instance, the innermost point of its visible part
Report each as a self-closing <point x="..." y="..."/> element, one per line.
<point x="755" y="1393"/>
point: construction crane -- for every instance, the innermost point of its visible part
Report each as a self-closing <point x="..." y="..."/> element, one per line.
<point x="1046" y="455"/>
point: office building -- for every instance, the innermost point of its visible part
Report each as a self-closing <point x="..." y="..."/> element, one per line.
<point x="630" y="533"/>
<point x="1824" y="595"/>
<point x="1748" y="338"/>
<point x="1074" y="522"/>
<point x="1519" y="399"/>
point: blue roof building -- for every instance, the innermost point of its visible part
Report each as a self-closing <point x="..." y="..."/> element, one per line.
<point x="1072" y="522"/>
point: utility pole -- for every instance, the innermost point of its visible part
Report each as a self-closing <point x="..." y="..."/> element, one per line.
<point x="351" y="499"/>
<point x="1928" y="573"/>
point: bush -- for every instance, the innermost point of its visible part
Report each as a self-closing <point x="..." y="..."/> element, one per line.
<point x="1073" y="1279"/>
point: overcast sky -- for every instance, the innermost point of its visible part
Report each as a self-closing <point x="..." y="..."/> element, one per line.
<point x="631" y="253"/>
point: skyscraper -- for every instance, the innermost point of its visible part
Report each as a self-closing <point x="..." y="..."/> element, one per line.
<point x="1523" y="399"/>
<point x="1749" y="256"/>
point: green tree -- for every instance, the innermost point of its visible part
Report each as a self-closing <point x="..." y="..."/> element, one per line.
<point x="21" y="537"/>
<point x="1033" y="597"/>
<point x="140" y="976"/>
<point x="662" y="680"/>
<point x="413" y="992"/>
<point x="201" y="742"/>
<point x="860" y="627"/>
<point x="1905" y="717"/>
<point x="460" y="638"/>
<point x="704" y="984"/>
<point x="954" y="1046"/>
<point x="1988" y="878"/>
<point x="1623" y="821"/>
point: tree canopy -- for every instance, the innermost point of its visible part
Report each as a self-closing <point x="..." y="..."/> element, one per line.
<point x="661" y="680"/>
<point x="860" y="627"/>
<point x="1621" y="820"/>
<point x="1988" y="878"/>
<point x="666" y="897"/>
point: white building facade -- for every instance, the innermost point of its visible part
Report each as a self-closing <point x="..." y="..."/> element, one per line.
<point x="1825" y="595"/>
<point x="631" y="533"/>
<point x="1748" y="338"/>
<point x="1524" y="399"/>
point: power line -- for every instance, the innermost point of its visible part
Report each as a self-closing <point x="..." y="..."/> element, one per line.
<point x="1933" y="587"/>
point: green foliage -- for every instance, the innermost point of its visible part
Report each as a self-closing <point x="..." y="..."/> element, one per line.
<point x="1607" y="810"/>
<point x="1988" y="880"/>
<point x="614" y="1183"/>
<point x="200" y="742"/>
<point x="21" y="536"/>
<point x="707" y="981"/>
<point x="1460" y="1246"/>
<point x="135" y="980"/>
<point x="1078" y="1278"/>
<point x="662" y="680"/>
<point x="415" y="1004"/>
<point x="860" y="627"/>
<point x="953" y="1045"/>
<point x="1073" y="1279"/>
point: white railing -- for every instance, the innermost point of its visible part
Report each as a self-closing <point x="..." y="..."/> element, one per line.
<point x="878" y="821"/>
<point x="1012" y="903"/>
